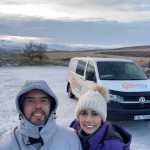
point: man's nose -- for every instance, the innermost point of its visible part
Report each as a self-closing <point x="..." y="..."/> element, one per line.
<point x="38" y="104"/>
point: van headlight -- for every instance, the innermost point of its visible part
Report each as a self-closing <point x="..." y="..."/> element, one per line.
<point x="116" y="98"/>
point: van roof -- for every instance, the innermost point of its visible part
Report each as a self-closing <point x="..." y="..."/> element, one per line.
<point x="102" y="59"/>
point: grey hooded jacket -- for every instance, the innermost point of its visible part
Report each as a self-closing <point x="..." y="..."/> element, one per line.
<point x="54" y="137"/>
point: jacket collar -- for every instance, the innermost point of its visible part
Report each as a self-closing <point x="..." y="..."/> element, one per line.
<point x="98" y="136"/>
<point x="28" y="129"/>
<point x="109" y="131"/>
<point x="48" y="130"/>
<point x="94" y="139"/>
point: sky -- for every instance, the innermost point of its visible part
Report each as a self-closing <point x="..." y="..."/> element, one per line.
<point x="111" y="23"/>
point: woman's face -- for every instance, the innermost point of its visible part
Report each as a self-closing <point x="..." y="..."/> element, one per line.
<point x="89" y="121"/>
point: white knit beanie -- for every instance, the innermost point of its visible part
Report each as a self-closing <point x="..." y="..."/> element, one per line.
<point x="95" y="99"/>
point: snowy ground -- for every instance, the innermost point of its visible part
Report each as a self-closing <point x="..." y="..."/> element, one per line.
<point x="12" y="78"/>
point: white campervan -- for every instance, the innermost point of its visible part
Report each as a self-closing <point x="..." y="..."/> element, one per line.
<point x="128" y="85"/>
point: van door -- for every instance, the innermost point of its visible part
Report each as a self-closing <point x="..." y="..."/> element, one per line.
<point x="79" y="78"/>
<point x="90" y="77"/>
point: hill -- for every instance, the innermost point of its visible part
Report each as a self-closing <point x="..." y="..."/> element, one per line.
<point x="141" y="54"/>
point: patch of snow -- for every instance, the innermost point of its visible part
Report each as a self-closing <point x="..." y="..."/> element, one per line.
<point x="12" y="78"/>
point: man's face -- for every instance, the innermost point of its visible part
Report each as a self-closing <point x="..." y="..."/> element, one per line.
<point x="36" y="107"/>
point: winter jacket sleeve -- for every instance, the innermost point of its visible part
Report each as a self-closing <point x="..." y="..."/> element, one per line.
<point x="75" y="141"/>
<point x="8" y="142"/>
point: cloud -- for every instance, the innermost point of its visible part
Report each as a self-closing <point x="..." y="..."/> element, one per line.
<point x="18" y="2"/>
<point x="79" y="32"/>
<point x="112" y="22"/>
<point x="123" y="11"/>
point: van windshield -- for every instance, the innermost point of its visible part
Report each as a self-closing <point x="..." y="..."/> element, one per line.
<point x="117" y="70"/>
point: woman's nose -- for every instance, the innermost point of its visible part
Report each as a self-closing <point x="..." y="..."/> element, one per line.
<point x="88" y="117"/>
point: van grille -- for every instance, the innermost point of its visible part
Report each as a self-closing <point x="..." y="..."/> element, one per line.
<point x="134" y="97"/>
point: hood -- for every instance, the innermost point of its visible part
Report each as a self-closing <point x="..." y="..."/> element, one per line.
<point x="121" y="133"/>
<point x="127" y="85"/>
<point x="38" y="85"/>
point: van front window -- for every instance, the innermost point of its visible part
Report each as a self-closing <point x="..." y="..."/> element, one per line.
<point x="117" y="70"/>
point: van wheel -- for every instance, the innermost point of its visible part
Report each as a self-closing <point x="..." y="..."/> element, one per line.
<point x="70" y="94"/>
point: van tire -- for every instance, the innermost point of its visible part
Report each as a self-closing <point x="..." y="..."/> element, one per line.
<point x="70" y="94"/>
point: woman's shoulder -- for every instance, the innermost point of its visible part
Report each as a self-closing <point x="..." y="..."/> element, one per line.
<point x="75" y="125"/>
<point x="117" y="136"/>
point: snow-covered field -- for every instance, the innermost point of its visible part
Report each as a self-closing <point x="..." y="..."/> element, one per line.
<point x="12" y="78"/>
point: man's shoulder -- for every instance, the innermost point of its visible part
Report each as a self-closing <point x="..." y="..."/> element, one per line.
<point x="66" y="130"/>
<point x="7" y="141"/>
<point x="70" y="137"/>
<point x="6" y="137"/>
<point x="67" y="133"/>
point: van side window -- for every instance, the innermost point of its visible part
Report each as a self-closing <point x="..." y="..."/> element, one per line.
<point x="80" y="67"/>
<point x="90" y="72"/>
<point x="73" y="65"/>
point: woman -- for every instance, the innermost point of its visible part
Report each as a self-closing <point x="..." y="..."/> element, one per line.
<point x="94" y="131"/>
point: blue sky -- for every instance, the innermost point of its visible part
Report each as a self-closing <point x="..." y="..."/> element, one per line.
<point x="79" y="22"/>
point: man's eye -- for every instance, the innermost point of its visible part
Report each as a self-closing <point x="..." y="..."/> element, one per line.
<point x="45" y="100"/>
<point x="29" y="100"/>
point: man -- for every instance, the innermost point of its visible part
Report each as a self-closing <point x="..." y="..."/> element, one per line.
<point x="36" y="104"/>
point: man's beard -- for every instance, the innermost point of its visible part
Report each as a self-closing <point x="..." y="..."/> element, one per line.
<point x="38" y="117"/>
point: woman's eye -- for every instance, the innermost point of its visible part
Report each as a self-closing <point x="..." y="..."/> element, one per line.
<point x="94" y="113"/>
<point x="83" y="113"/>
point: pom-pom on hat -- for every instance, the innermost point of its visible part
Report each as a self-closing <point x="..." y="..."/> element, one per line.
<point x="95" y="99"/>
